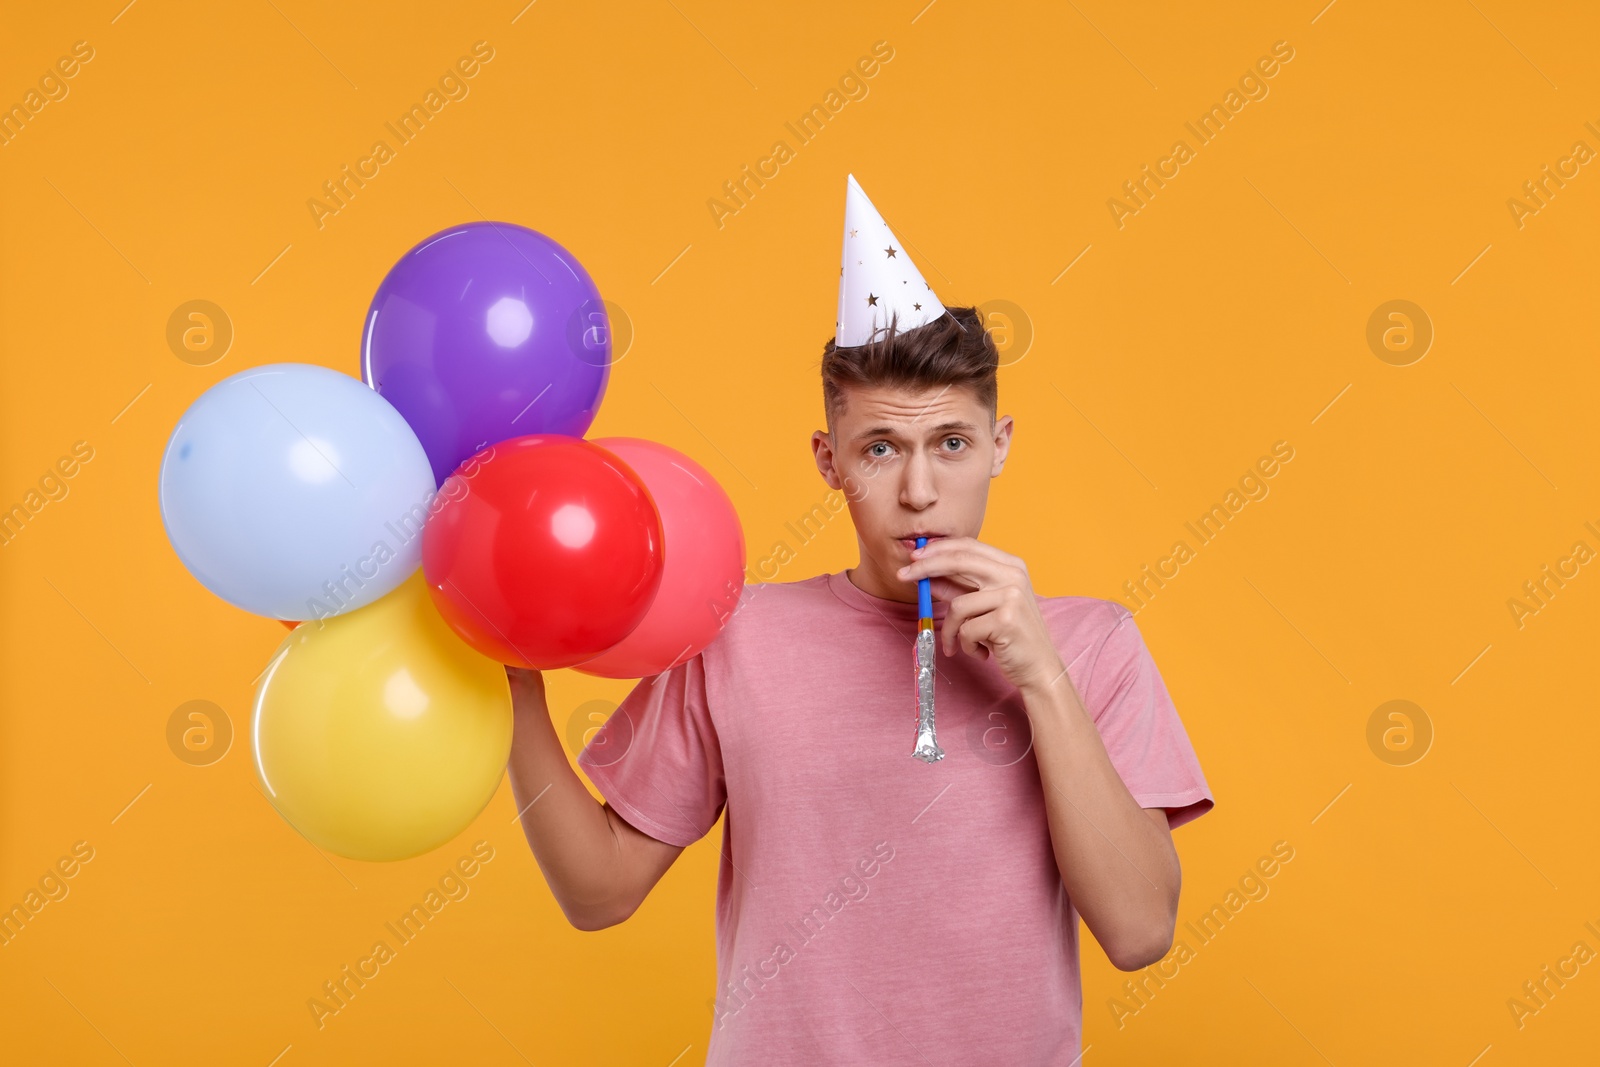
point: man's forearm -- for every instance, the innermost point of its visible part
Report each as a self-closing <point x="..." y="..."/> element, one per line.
<point x="567" y="829"/>
<point x="1118" y="867"/>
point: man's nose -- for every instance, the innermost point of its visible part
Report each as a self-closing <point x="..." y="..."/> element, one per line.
<point x="917" y="490"/>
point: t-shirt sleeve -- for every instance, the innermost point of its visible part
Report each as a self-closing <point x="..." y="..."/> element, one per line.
<point x="1140" y="728"/>
<point x="657" y="760"/>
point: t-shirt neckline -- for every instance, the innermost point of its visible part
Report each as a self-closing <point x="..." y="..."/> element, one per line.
<point x="847" y="591"/>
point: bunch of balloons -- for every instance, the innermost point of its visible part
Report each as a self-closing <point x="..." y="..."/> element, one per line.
<point x="441" y="520"/>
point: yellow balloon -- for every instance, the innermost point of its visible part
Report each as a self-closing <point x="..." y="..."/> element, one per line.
<point x="380" y="734"/>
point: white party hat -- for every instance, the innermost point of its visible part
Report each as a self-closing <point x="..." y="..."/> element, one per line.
<point x="876" y="277"/>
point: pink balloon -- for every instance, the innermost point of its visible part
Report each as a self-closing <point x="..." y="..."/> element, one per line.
<point x="703" y="572"/>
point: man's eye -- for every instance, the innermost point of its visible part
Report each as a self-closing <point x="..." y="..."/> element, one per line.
<point x="879" y="444"/>
<point x="955" y="439"/>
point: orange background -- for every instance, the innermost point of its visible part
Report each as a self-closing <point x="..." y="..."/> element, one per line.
<point x="1229" y="313"/>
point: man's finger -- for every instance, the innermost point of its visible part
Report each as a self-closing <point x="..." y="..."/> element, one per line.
<point x="973" y="543"/>
<point x="967" y="564"/>
<point x="966" y="547"/>
<point x="963" y="609"/>
<point x="950" y="544"/>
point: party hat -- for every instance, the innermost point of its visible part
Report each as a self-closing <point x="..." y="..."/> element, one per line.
<point x="877" y="279"/>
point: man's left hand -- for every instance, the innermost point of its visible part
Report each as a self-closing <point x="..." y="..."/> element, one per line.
<point x="992" y="608"/>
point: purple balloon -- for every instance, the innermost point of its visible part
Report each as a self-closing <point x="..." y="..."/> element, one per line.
<point x="487" y="331"/>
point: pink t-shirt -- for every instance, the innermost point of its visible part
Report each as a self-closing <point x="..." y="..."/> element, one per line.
<point x="873" y="908"/>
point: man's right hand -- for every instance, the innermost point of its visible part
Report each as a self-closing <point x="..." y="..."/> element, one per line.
<point x="525" y="683"/>
<point x="598" y="866"/>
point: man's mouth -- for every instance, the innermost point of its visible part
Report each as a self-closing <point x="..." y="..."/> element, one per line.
<point x="911" y="542"/>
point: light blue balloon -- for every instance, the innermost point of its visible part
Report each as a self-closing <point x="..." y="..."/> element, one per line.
<point x="296" y="492"/>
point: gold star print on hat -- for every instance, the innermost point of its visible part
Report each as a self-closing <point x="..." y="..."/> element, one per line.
<point x="876" y="276"/>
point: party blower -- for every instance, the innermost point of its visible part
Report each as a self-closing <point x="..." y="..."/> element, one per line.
<point x="927" y="749"/>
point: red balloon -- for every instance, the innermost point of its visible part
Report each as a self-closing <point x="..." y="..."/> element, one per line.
<point x="290" y="623"/>
<point x="543" y="550"/>
<point x="704" y="571"/>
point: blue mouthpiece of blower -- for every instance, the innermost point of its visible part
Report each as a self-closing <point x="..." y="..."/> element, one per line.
<point x="924" y="592"/>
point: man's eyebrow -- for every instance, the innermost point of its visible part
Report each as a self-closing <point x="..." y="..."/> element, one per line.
<point x="890" y="431"/>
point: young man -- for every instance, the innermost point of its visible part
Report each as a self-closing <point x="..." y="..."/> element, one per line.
<point x="874" y="908"/>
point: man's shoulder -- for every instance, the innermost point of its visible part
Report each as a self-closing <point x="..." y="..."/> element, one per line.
<point x="1079" y="621"/>
<point x="765" y="602"/>
<point x="1091" y="609"/>
<point x="763" y="607"/>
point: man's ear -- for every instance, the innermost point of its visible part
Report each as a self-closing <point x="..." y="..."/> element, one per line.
<point x="1002" y="444"/>
<point x="822" y="451"/>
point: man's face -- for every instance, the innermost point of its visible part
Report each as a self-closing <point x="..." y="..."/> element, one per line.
<point x="910" y="462"/>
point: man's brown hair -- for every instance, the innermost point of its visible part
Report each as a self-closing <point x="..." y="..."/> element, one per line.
<point x="954" y="349"/>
